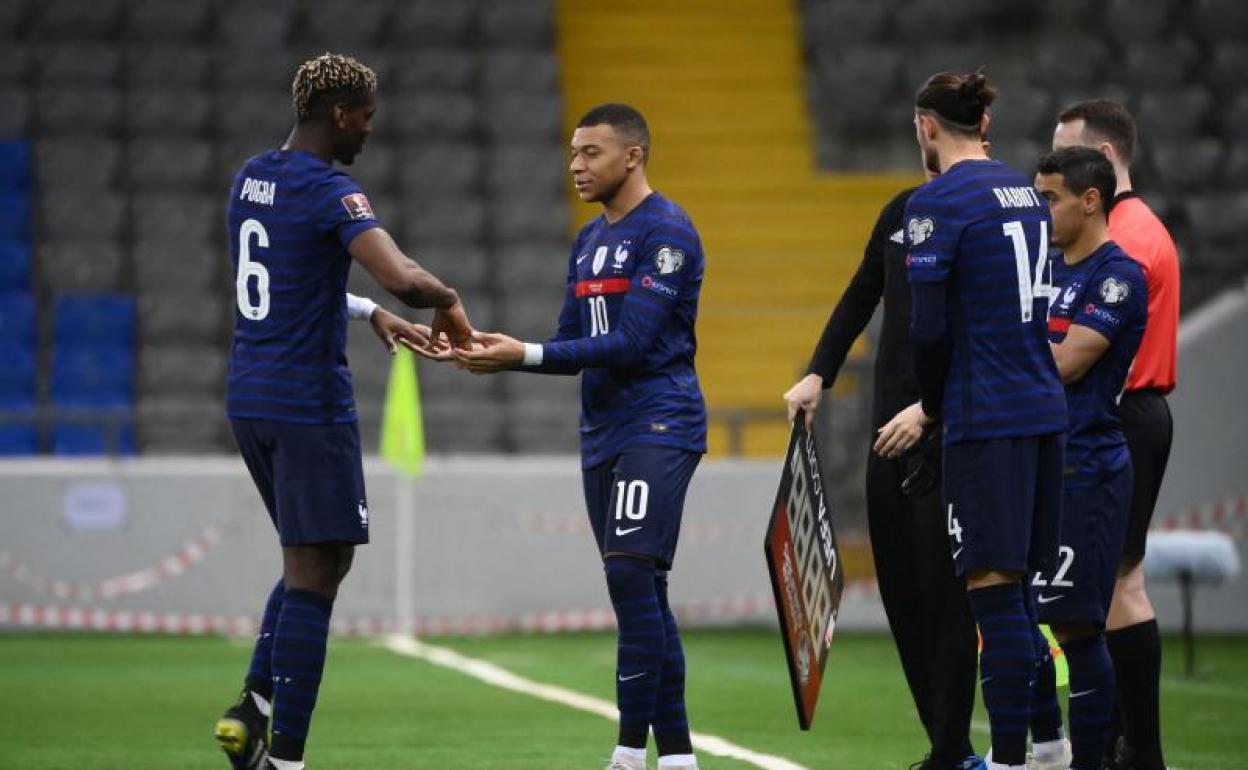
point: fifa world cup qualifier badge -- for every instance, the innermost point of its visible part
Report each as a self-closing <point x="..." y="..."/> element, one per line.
<point x="357" y="206"/>
<point x="669" y="260"/>
<point x="1114" y="291"/>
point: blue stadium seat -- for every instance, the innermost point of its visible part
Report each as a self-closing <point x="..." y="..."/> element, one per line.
<point x="95" y="320"/>
<point x="14" y="215"/>
<point x="14" y="165"/>
<point x="18" y="433"/>
<point x="14" y="265"/>
<point x="75" y="438"/>
<point x="17" y="319"/>
<point x="93" y="377"/>
<point x="17" y="378"/>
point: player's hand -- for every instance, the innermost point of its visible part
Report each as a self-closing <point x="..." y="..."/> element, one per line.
<point x="491" y="353"/>
<point x="902" y="432"/>
<point x="805" y="396"/>
<point x="394" y="331"/>
<point x="451" y="323"/>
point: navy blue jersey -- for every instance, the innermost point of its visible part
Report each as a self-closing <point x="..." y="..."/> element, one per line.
<point x="628" y="323"/>
<point x="1107" y="293"/>
<point x="982" y="231"/>
<point x="291" y="217"/>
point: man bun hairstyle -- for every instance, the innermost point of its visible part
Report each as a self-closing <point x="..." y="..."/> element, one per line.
<point x="1083" y="168"/>
<point x="327" y="80"/>
<point x="627" y="121"/>
<point x="1105" y="120"/>
<point x="957" y="99"/>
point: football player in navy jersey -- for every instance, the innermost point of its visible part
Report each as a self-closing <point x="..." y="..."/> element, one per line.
<point x="296" y="222"/>
<point x="1096" y="321"/>
<point x="627" y="326"/>
<point x="977" y="239"/>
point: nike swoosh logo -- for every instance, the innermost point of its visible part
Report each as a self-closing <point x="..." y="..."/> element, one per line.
<point x="1081" y="694"/>
<point x="631" y="678"/>
<point x="621" y="532"/>
<point x="955" y="553"/>
<point x="1048" y="599"/>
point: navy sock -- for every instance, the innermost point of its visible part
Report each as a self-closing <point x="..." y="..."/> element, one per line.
<point x="1136" y="652"/>
<point x="298" y="662"/>
<point x="1046" y="712"/>
<point x="642" y="642"/>
<point x="671" y="724"/>
<point x="1006" y="667"/>
<point x="1091" y="700"/>
<point x="260" y="673"/>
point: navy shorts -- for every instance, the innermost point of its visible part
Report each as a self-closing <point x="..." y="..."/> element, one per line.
<point x="1080" y="584"/>
<point x="635" y="501"/>
<point x="1003" y="502"/>
<point x="311" y="478"/>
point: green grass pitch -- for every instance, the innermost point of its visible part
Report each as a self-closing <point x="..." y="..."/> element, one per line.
<point x="86" y="702"/>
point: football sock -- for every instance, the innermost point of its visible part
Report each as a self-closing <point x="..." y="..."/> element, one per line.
<point x="285" y="764"/>
<point x="671" y="724"/>
<point x="298" y="662"/>
<point x="639" y="660"/>
<point x="1136" y="652"/>
<point x="1091" y="700"/>
<point x="1006" y="667"/>
<point x="1046" y="713"/>
<point x="260" y="673"/>
<point x="678" y="760"/>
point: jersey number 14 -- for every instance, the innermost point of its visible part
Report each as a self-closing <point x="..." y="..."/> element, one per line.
<point x="1030" y="286"/>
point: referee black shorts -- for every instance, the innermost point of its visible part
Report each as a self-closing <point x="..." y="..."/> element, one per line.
<point x="1149" y="429"/>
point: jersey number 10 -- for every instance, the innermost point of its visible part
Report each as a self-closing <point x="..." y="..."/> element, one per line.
<point x="1029" y="287"/>
<point x="248" y="269"/>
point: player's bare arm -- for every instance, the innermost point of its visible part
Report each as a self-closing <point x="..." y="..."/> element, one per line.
<point x="1077" y="354"/>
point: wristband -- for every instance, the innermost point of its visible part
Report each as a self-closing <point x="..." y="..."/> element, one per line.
<point x="533" y="354"/>
<point x="359" y="308"/>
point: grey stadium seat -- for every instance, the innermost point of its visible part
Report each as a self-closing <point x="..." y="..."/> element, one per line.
<point x="920" y="65"/>
<point x="80" y="265"/>
<point x="1172" y="114"/>
<point x="1226" y="67"/>
<point x="540" y="264"/>
<point x="463" y="427"/>
<point x="1150" y="67"/>
<point x="67" y="111"/>
<point x="247" y="24"/>
<point x="178" y="369"/>
<point x="181" y="316"/>
<point x="1235" y="170"/>
<point x="444" y="220"/>
<point x="516" y="22"/>
<point x="517" y="219"/>
<point x="532" y="315"/>
<point x="435" y="69"/>
<point x="435" y="115"/>
<point x="170" y="112"/>
<point x="527" y="169"/>
<point x="435" y="168"/>
<point x="269" y="68"/>
<point x="163" y="20"/>
<point x="168" y="216"/>
<point x="15" y="63"/>
<point x="1021" y="112"/>
<point x="374" y="168"/>
<point x="1130" y="23"/>
<point x="262" y="117"/>
<point x="545" y="427"/>
<point x="511" y="117"/>
<point x="1188" y="165"/>
<point x="179" y="265"/>
<point x="169" y="164"/>
<point x="78" y="163"/>
<point x="179" y="424"/>
<point x="1217" y="223"/>
<point x="465" y="268"/>
<point x="78" y="19"/>
<point x="15" y="117"/>
<point x="79" y="64"/>
<point x="839" y="22"/>
<point x="14" y="16"/>
<point x="1235" y="119"/>
<point x="434" y="22"/>
<point x="164" y="65"/>
<point x="856" y="81"/>
<point x="439" y="381"/>
<point x="73" y="213"/>
<point x="924" y="21"/>
<point x="1221" y="20"/>
<point x="343" y="25"/>
<point x="1071" y="63"/>
<point x="528" y="71"/>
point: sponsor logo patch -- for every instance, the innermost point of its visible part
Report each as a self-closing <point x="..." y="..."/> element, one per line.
<point x="357" y="206"/>
<point x="658" y="287"/>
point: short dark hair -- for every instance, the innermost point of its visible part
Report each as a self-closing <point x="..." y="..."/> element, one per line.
<point x="626" y="120"/>
<point x="1083" y="168"/>
<point x="1108" y="120"/>
<point x="957" y="99"/>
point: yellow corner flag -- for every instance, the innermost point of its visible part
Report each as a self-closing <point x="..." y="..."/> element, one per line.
<point x="402" y="429"/>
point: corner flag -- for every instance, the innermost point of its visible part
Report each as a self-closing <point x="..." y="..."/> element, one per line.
<point x="402" y="429"/>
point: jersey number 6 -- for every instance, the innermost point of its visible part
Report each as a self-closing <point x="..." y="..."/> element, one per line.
<point x="248" y="269"/>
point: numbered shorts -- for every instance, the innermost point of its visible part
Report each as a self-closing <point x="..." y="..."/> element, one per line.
<point x="1003" y="502"/>
<point x="635" y="501"/>
<point x="311" y="479"/>
<point x="1079" y="585"/>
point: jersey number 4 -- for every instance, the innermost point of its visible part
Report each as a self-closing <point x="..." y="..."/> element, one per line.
<point x="247" y="269"/>
<point x="1030" y="286"/>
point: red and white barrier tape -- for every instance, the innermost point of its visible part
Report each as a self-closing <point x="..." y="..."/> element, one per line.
<point x="163" y="571"/>
<point x="1229" y="516"/>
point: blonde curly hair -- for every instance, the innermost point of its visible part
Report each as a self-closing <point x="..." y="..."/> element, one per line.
<point x="330" y="73"/>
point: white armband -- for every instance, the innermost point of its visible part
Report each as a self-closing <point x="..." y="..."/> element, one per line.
<point x="359" y="308"/>
<point x="533" y="354"/>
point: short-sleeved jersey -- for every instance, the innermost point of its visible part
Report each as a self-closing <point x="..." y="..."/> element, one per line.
<point x="291" y="218"/>
<point x="628" y="325"/>
<point x="1106" y="292"/>
<point x="983" y="231"/>
<point x="1139" y="232"/>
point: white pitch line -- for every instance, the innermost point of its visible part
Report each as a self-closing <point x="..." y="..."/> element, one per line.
<point x="500" y="677"/>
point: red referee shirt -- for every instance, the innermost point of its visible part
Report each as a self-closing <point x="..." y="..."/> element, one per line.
<point x="1134" y="227"/>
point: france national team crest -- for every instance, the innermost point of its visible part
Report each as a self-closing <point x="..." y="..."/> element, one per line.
<point x="669" y="260"/>
<point x="1069" y="296"/>
<point x="920" y="230"/>
<point x="357" y="206"/>
<point x="621" y="255"/>
<point x="1114" y="291"/>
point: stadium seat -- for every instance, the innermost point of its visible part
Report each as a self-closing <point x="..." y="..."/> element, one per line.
<point x="15" y="63"/>
<point x="1224" y="70"/>
<point x="1188" y="165"/>
<point x="458" y="427"/>
<point x="15" y="117"/>
<point x="78" y="19"/>
<point x="529" y="219"/>
<point x="431" y="169"/>
<point x="1021" y="112"/>
<point x="158" y="111"/>
<point x="14" y="265"/>
<point x="78" y="111"/>
<point x="374" y="168"/>
<point x="17" y="377"/>
<point x="178" y="369"/>
<point x="180" y="165"/>
<point x="527" y="169"/>
<point x="345" y="26"/>
<point x="81" y="265"/>
<point x="79" y="64"/>
<point x="1151" y="67"/>
<point x="507" y="22"/>
<point x="94" y="433"/>
<point x="1217" y="222"/>
<point x="261" y="117"/>
<point x="526" y="71"/>
<point x="161" y="20"/>
<point x="14" y="165"/>
<point x="94" y="321"/>
<point x="18" y="321"/>
<point x="247" y="24"/>
<point x="445" y="383"/>
<point x="170" y="216"/>
<point x="544" y="427"/>
<point x="432" y="115"/>
<point x="79" y="163"/>
<point x="542" y="265"/>
<point x="921" y="64"/>
<point x="1235" y="170"/>
<point x="856" y="83"/>
<point x="19" y="434"/>
<point x="14" y="16"/>
<point x="1220" y="20"/>
<point x="1235" y="119"/>
<point x="1172" y="114"/>
<point x="182" y="316"/>
<point x="92" y="377"/>
<point x="1070" y="64"/>
<point x="466" y="268"/>
<point x="844" y="22"/>
<point x="241" y="68"/>
<point x="179" y="264"/>
<point x="533" y="314"/>
<point x="513" y="117"/>
<point x="433" y="68"/>
<point x="181" y="425"/>
<point x="1130" y="23"/>
<point x="168" y="65"/>
<point x="443" y="220"/>
<point x="435" y="22"/>
<point x="14" y="215"/>
<point x="926" y="21"/>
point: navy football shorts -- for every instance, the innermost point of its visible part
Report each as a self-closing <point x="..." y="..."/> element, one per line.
<point x="1080" y="584"/>
<point x="1003" y="500"/>
<point x="635" y="501"/>
<point x="311" y="478"/>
